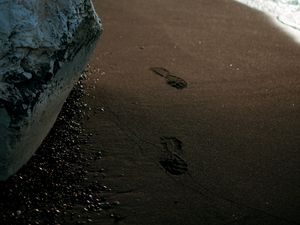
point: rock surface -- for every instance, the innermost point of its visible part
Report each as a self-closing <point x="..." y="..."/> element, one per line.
<point x="44" y="48"/>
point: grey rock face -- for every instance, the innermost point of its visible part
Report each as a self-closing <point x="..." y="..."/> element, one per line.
<point x="44" y="47"/>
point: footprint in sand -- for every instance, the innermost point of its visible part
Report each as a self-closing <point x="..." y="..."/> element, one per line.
<point x="171" y="79"/>
<point x="171" y="160"/>
<point x="171" y="144"/>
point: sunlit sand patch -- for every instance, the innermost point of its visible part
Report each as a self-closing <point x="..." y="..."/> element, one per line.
<point x="284" y="13"/>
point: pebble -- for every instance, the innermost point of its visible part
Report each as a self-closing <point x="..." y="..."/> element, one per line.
<point x="51" y="183"/>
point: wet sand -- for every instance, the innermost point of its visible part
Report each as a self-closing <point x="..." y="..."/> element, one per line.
<point x="190" y="115"/>
<point x="224" y="149"/>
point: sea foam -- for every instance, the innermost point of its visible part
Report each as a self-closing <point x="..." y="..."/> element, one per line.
<point x="285" y="13"/>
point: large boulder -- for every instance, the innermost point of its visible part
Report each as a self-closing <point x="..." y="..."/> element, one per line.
<point x="44" y="48"/>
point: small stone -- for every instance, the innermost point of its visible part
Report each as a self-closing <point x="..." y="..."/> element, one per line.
<point x="116" y="203"/>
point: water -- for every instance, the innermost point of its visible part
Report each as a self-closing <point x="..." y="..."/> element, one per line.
<point x="285" y="13"/>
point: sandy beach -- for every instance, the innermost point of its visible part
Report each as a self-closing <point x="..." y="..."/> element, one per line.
<point x="238" y="118"/>
<point x="193" y="112"/>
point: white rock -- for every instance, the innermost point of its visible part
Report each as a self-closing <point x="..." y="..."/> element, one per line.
<point x="44" y="47"/>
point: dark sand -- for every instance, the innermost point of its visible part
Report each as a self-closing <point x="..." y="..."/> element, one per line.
<point x="212" y="140"/>
<point x="238" y="119"/>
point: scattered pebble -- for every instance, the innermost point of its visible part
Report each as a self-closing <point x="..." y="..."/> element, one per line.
<point x="55" y="181"/>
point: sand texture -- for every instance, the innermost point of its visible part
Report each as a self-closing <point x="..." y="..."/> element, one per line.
<point x="194" y="117"/>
